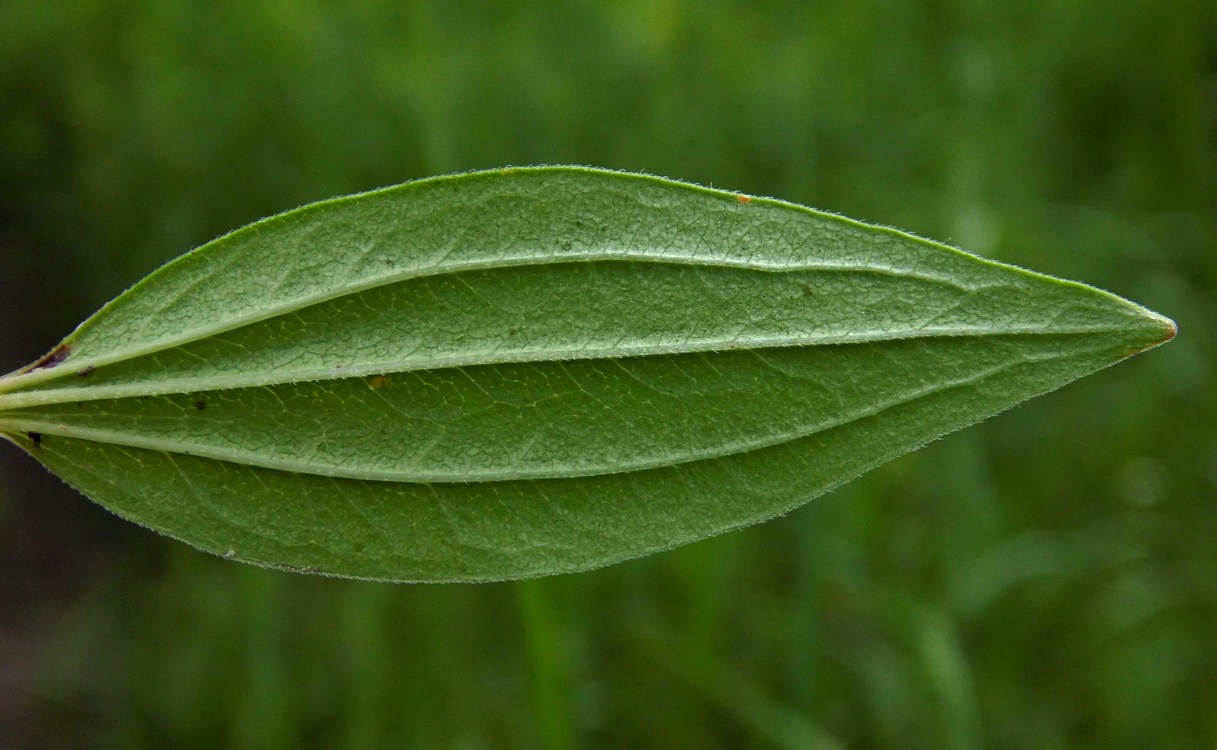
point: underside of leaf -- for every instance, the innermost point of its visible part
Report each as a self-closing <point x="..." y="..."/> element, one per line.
<point x="530" y="371"/>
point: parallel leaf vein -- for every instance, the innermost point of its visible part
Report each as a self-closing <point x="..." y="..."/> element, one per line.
<point x="17" y="423"/>
<point x="235" y="322"/>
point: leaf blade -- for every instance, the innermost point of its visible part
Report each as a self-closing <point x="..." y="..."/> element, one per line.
<point x="543" y="352"/>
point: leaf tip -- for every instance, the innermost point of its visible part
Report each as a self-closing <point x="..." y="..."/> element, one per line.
<point x="1167" y="329"/>
<point x="1171" y="330"/>
<point x="1160" y="330"/>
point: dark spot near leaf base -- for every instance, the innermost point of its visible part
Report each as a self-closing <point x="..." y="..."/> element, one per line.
<point x="200" y="404"/>
<point x="35" y="438"/>
<point x="86" y="372"/>
<point x="56" y="355"/>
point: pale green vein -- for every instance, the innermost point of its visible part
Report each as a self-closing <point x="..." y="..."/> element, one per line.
<point x="167" y="384"/>
<point x="84" y="359"/>
<point x="609" y="465"/>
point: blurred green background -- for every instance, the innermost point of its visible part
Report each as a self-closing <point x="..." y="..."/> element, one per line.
<point x="1047" y="579"/>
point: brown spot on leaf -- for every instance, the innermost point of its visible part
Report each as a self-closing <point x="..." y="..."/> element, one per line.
<point x="200" y="404"/>
<point x="52" y="358"/>
<point x="743" y="198"/>
<point x="35" y="438"/>
<point x="87" y="371"/>
<point x="378" y="382"/>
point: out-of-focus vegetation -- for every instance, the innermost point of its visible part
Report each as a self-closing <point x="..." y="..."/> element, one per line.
<point x="1047" y="579"/>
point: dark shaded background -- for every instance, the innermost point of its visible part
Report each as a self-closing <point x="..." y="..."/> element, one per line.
<point x="1047" y="579"/>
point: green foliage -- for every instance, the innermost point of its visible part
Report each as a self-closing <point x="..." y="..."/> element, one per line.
<point x="535" y="371"/>
<point x="1044" y="579"/>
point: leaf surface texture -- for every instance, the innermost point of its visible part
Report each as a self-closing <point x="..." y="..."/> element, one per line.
<point x="537" y="370"/>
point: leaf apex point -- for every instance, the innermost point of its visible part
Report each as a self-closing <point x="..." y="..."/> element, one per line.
<point x="1172" y="330"/>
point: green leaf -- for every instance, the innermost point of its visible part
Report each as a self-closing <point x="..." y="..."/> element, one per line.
<point x="531" y="371"/>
